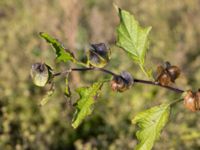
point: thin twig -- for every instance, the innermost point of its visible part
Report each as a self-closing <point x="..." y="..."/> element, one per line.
<point x="62" y="73"/>
<point x="177" y="90"/>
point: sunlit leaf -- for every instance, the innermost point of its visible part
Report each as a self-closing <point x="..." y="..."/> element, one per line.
<point x="151" y="122"/>
<point x="133" y="38"/>
<point x="85" y="102"/>
<point x="62" y="54"/>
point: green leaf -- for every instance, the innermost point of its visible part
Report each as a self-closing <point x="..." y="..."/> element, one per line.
<point x="85" y="103"/>
<point x="133" y="38"/>
<point x="61" y="53"/>
<point x="151" y="122"/>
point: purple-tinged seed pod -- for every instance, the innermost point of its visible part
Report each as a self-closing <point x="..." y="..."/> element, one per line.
<point x="122" y="83"/>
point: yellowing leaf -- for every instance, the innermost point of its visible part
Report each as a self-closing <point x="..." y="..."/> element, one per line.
<point x="151" y="122"/>
<point x="85" y="103"/>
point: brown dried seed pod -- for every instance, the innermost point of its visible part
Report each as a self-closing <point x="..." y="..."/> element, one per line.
<point x="162" y="76"/>
<point x="198" y="100"/>
<point x="158" y="72"/>
<point x="174" y="72"/>
<point x="192" y="100"/>
<point x="189" y="101"/>
<point x="167" y="74"/>
<point x="164" y="79"/>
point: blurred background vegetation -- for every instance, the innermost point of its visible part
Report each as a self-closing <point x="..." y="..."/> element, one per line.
<point x="175" y="37"/>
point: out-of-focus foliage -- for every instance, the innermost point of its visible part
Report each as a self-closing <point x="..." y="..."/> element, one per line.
<point x="24" y="124"/>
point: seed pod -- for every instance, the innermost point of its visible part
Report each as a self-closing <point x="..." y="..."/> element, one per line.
<point x="128" y="79"/>
<point x="117" y="84"/>
<point x="167" y="74"/>
<point x="99" y="55"/>
<point x="162" y="76"/>
<point x="174" y="72"/>
<point x="192" y="100"/>
<point x="40" y="73"/>
<point x="122" y="83"/>
<point x="198" y="100"/>
<point x="189" y="101"/>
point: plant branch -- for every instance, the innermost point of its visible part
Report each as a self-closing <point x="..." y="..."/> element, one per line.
<point x="177" y="90"/>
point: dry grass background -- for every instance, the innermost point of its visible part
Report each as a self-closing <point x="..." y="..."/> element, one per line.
<point x="23" y="125"/>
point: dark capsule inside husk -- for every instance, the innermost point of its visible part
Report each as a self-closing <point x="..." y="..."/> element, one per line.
<point x="100" y="49"/>
<point x="99" y="55"/>
<point x="122" y="83"/>
<point x="40" y="74"/>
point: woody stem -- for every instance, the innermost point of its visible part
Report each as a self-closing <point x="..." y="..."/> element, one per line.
<point x="140" y="81"/>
